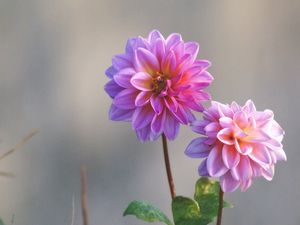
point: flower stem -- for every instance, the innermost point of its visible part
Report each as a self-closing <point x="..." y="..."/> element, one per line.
<point x="220" y="210"/>
<point x="84" y="209"/>
<point x="168" y="166"/>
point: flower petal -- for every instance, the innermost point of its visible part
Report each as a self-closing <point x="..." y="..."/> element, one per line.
<point x="261" y="155"/>
<point x="230" y="156"/>
<point x="118" y="114"/>
<point x="142" y="81"/>
<point x="123" y="77"/>
<point x="243" y="171"/>
<point x="142" y="117"/>
<point x="202" y="169"/>
<point x="170" y="127"/>
<point x="225" y="136"/>
<point x="110" y="72"/>
<point x="125" y="99"/>
<point x="143" y="98"/>
<point x="157" y="104"/>
<point x="197" y="149"/>
<point x="112" y="88"/>
<point x="215" y="165"/>
<point x="121" y="61"/>
<point x="157" y="122"/>
<point x="228" y="184"/>
<point x="147" y="60"/>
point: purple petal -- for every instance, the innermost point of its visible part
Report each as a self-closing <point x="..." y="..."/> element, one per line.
<point x="169" y="63"/>
<point x="123" y="77"/>
<point x="230" y="157"/>
<point x="121" y="61"/>
<point x="118" y="114"/>
<point x="144" y="134"/>
<point x="112" y="88"/>
<point x="268" y="172"/>
<point x="197" y="149"/>
<point x="191" y="48"/>
<point x="157" y="104"/>
<point x="157" y="122"/>
<point x="215" y="165"/>
<point x="198" y="126"/>
<point x="180" y="115"/>
<point x="249" y="107"/>
<point x="170" y="127"/>
<point x="159" y="49"/>
<point x="142" y="117"/>
<point x="243" y="147"/>
<point x="125" y="99"/>
<point x="228" y="184"/>
<point x="226" y="122"/>
<point x="202" y="169"/>
<point x="110" y="72"/>
<point x="171" y="103"/>
<point x="131" y="45"/>
<point x="142" y="98"/>
<point x="142" y="81"/>
<point x="147" y="60"/>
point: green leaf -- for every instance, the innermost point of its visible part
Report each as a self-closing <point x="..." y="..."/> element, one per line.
<point x="147" y="212"/>
<point x="207" y="196"/>
<point x="1" y="222"/>
<point x="186" y="211"/>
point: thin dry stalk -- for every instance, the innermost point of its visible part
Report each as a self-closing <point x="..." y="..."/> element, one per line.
<point x="20" y="144"/>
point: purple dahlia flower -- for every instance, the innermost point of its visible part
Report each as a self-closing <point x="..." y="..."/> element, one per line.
<point x="156" y="84"/>
<point x="239" y="144"/>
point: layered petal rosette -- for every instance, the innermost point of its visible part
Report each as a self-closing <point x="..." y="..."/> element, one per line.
<point x="238" y="144"/>
<point x="156" y="84"/>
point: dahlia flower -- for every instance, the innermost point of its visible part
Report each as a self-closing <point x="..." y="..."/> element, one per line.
<point x="239" y="144"/>
<point x="156" y="84"/>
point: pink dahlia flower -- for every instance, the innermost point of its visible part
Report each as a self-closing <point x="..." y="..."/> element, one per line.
<point x="239" y="144"/>
<point x="156" y="84"/>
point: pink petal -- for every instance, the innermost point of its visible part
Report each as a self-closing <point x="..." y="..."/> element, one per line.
<point x="212" y="128"/>
<point x="159" y="49"/>
<point x="241" y="120"/>
<point x="126" y="99"/>
<point x="202" y="169"/>
<point x="143" y="98"/>
<point x="268" y="172"/>
<point x="243" y="147"/>
<point x="171" y="103"/>
<point x="226" y="122"/>
<point x="157" y="104"/>
<point x="191" y="48"/>
<point x="118" y="114"/>
<point x="154" y="35"/>
<point x="245" y="185"/>
<point x="249" y="107"/>
<point x="197" y="149"/>
<point x="243" y="171"/>
<point x="142" y="117"/>
<point x="173" y="40"/>
<point x="235" y="107"/>
<point x="168" y="63"/>
<point x="148" y="61"/>
<point x="157" y="122"/>
<point x="225" y="136"/>
<point x="261" y="155"/>
<point x="230" y="156"/>
<point x="123" y="77"/>
<point x="228" y="184"/>
<point x="280" y="154"/>
<point x="215" y="165"/>
<point x="264" y="117"/>
<point x="142" y="81"/>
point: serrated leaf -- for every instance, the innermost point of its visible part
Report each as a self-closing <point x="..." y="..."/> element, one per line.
<point x="207" y="197"/>
<point x="145" y="211"/>
<point x="186" y="211"/>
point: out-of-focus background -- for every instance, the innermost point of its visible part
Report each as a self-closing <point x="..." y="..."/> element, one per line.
<point x="53" y="55"/>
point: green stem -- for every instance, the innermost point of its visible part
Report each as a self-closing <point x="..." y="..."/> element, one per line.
<point x="168" y="166"/>
<point x="220" y="210"/>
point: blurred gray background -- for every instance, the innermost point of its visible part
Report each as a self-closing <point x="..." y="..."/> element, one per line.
<point x="53" y="55"/>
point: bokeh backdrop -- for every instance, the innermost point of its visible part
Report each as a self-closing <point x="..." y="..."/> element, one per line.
<point x="53" y="55"/>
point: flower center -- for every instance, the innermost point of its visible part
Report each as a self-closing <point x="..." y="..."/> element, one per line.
<point x="159" y="83"/>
